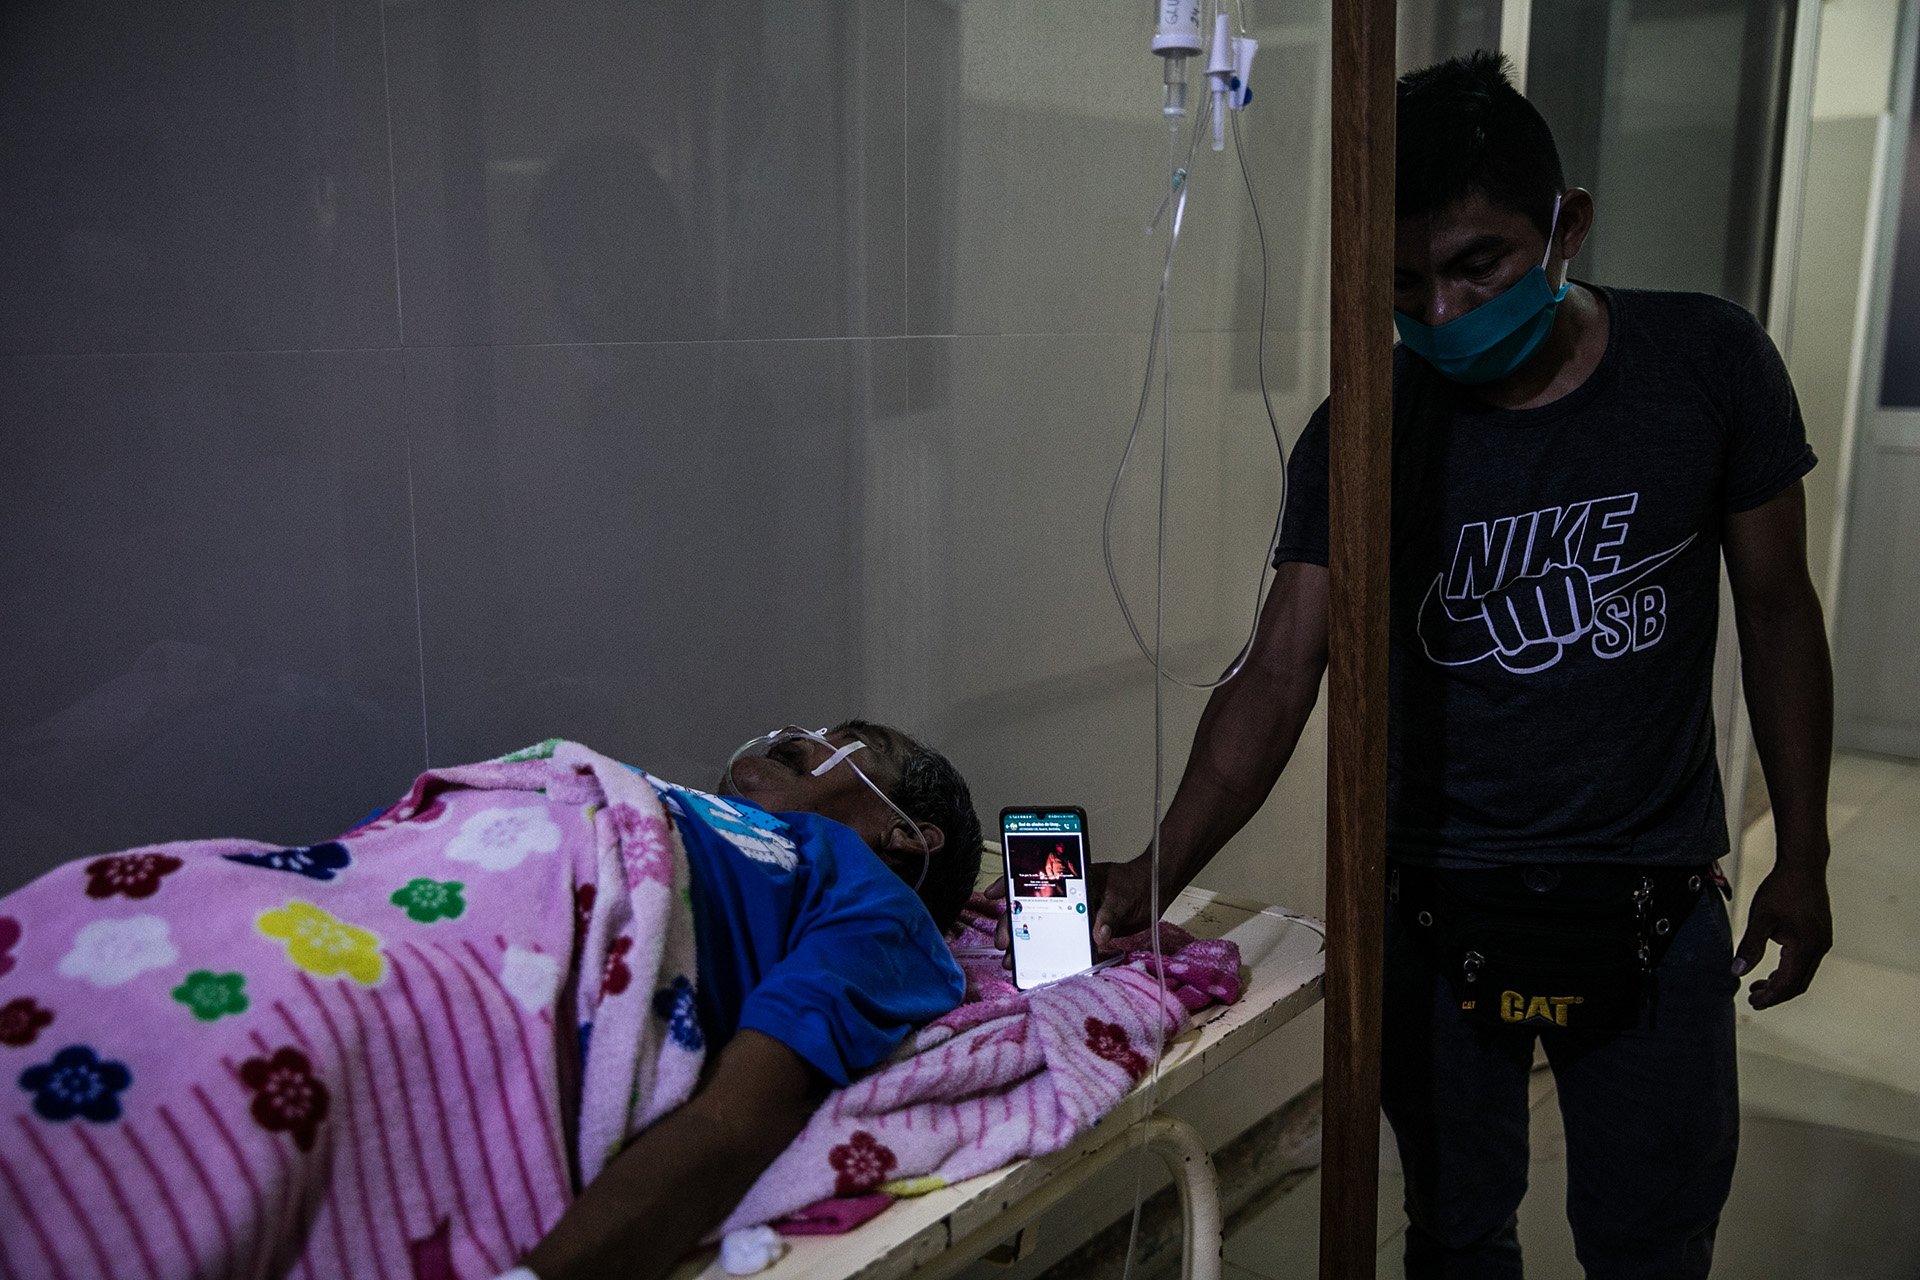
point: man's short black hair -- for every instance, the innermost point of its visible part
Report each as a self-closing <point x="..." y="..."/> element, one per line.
<point x="929" y="789"/>
<point x="1464" y="130"/>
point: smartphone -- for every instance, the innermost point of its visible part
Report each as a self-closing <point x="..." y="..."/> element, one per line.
<point x="1045" y="850"/>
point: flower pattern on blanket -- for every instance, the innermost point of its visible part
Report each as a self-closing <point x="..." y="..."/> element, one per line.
<point x="426" y="900"/>
<point x="322" y="945"/>
<point x="860" y="1164"/>
<point x="615" y="976"/>
<point x="134" y="875"/>
<point x="213" y="996"/>
<point x="501" y="839"/>
<point x="316" y="862"/>
<point x="675" y="1006"/>
<point x="78" y="1082"/>
<point x="22" y="1019"/>
<point x="644" y="844"/>
<point x="108" y="953"/>
<point x="218" y="1068"/>
<point x="287" y="1097"/>
<point x="410" y="810"/>
<point x="530" y="977"/>
<point x="1108" y="1040"/>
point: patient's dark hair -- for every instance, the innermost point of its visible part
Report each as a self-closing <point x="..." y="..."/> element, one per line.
<point x="1464" y="130"/>
<point x="925" y="784"/>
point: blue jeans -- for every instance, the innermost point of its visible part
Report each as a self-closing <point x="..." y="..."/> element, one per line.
<point x="1651" y="1117"/>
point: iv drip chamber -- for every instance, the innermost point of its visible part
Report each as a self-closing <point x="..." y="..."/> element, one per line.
<point x="1176" y="36"/>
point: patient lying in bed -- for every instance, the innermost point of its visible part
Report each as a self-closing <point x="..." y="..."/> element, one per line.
<point x="400" y="1053"/>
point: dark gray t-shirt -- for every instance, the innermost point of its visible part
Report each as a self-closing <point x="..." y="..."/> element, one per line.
<point x="1555" y="594"/>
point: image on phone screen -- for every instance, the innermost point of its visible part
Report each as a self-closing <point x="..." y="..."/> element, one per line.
<point x="1046" y="869"/>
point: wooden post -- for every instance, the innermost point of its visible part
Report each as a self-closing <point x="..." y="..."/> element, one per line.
<point x="1359" y="494"/>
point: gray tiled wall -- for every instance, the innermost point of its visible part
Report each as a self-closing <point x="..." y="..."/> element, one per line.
<point x="393" y="385"/>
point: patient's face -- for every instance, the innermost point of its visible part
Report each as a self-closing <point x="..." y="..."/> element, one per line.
<point x="783" y="781"/>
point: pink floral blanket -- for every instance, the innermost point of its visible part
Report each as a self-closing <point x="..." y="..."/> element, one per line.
<point x="363" y="1057"/>
<point x="1006" y="1076"/>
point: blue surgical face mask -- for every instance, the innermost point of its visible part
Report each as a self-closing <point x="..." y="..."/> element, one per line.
<point x="1496" y="337"/>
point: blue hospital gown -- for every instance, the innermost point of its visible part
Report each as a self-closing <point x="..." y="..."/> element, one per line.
<point x="804" y="935"/>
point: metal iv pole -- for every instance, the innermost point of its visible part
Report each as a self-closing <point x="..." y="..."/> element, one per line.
<point x="1360" y="482"/>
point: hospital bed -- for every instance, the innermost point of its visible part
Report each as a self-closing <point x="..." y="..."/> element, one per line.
<point x="1283" y="958"/>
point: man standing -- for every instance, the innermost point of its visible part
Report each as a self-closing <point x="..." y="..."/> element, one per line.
<point x="1571" y="463"/>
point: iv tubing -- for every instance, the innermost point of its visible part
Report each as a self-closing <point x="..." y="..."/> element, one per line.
<point x="1178" y="187"/>
<point x="1160" y="344"/>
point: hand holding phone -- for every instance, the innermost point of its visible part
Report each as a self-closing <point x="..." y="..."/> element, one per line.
<point x="1048" y="912"/>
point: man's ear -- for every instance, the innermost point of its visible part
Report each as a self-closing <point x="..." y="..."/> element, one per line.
<point x="900" y="839"/>
<point x="1576" y="222"/>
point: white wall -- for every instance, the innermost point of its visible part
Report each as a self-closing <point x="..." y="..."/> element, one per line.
<point x="1856" y="58"/>
<point x="1851" y="102"/>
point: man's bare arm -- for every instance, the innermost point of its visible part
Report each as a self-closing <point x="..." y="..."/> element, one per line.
<point x="1245" y="738"/>
<point x="1789" y="685"/>
<point x="682" y="1176"/>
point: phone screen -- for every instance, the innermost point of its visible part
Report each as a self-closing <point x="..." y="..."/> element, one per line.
<point x="1046" y="859"/>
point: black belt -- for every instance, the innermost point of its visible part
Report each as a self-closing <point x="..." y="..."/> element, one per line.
<point x="1572" y="947"/>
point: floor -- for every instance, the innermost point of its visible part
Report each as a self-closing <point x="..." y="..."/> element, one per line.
<point x="1829" y="1172"/>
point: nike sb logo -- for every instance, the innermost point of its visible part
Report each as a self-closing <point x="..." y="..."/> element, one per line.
<point x="1522" y="589"/>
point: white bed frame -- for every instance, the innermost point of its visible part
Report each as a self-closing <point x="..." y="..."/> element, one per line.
<point x="1283" y="959"/>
